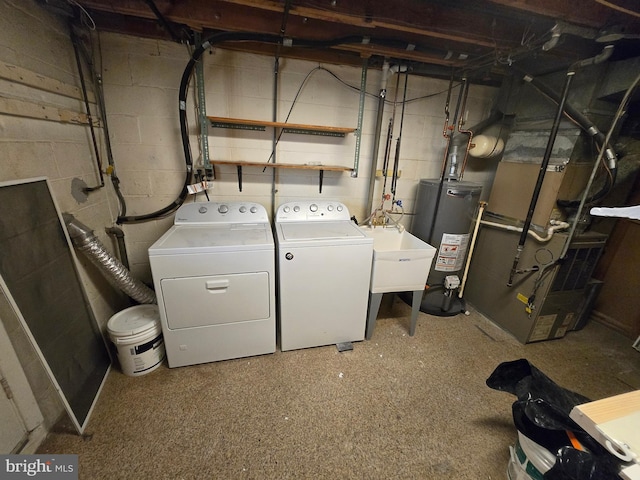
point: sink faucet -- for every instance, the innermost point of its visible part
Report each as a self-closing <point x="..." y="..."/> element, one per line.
<point x="382" y="217"/>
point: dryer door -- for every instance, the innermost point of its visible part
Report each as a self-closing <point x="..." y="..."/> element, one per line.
<point x="215" y="299"/>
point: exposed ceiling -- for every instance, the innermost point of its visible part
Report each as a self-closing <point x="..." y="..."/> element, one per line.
<point x="478" y="38"/>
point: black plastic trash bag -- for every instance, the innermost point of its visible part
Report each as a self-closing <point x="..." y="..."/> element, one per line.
<point x="541" y="413"/>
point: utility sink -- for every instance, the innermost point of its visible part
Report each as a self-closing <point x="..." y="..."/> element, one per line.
<point x="401" y="261"/>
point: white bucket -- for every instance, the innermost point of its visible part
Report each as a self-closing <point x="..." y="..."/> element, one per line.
<point x="137" y="334"/>
<point x="528" y="460"/>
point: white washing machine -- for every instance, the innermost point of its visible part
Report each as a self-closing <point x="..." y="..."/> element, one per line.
<point x="214" y="277"/>
<point x="324" y="270"/>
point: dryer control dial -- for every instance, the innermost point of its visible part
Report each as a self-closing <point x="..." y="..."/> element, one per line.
<point x="203" y="210"/>
<point x="243" y="209"/>
<point x="296" y="208"/>
<point x="313" y="207"/>
<point x="223" y="208"/>
<point x="253" y="209"/>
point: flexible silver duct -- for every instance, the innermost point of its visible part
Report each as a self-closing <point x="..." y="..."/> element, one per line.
<point x="85" y="241"/>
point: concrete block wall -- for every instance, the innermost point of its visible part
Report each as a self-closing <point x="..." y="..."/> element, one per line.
<point x="36" y="40"/>
<point x="142" y="79"/>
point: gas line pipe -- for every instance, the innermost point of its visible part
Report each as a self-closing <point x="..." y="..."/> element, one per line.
<point x="541" y="174"/>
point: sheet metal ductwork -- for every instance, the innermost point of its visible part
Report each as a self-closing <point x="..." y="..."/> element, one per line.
<point x="117" y="274"/>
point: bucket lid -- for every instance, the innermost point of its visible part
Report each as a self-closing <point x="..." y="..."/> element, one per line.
<point x="133" y="320"/>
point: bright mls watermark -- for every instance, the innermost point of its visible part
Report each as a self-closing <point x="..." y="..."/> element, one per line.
<point x="50" y="467"/>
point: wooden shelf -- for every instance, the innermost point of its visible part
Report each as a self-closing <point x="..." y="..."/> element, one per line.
<point x="244" y="124"/>
<point x="334" y="168"/>
<point x="319" y="168"/>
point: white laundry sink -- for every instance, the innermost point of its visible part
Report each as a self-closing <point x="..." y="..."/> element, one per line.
<point x="401" y="261"/>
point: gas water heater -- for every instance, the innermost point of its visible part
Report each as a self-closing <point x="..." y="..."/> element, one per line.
<point x="444" y="211"/>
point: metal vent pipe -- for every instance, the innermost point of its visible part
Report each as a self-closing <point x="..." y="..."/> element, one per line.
<point x="117" y="274"/>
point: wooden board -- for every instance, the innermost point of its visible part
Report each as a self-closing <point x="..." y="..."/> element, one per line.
<point x="607" y="409"/>
<point x="293" y="126"/>
<point x="334" y="168"/>
<point x="27" y="77"/>
<point x="27" y="109"/>
<point x="613" y="419"/>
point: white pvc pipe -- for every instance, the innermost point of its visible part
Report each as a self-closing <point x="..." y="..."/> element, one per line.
<point x="550" y="231"/>
<point x="471" y="247"/>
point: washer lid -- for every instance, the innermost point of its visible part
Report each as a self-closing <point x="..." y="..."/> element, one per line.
<point x="207" y="238"/>
<point x="304" y="231"/>
<point x="133" y="320"/>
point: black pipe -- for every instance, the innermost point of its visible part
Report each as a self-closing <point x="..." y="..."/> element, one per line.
<point x="99" y="92"/>
<point x="122" y="249"/>
<point x="394" y="177"/>
<point x="376" y="141"/>
<point x="163" y="21"/>
<point x="541" y="174"/>
<point x="182" y="105"/>
<point x="184" y="85"/>
<point x="74" y="41"/>
<point x="385" y="161"/>
<point x="587" y="125"/>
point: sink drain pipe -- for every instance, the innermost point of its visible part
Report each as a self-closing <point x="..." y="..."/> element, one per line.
<point x="116" y="273"/>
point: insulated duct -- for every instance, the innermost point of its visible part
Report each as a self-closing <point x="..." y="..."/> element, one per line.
<point x="85" y="241"/>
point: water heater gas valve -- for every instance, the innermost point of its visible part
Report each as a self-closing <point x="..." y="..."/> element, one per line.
<point x="451" y="282"/>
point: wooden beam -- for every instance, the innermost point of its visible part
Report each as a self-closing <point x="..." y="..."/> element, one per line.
<point x="24" y="108"/>
<point x="579" y="12"/>
<point x="417" y="25"/>
<point x="35" y="80"/>
<point x="418" y="18"/>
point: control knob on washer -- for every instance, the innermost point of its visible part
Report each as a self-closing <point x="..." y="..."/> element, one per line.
<point x="253" y="209"/>
<point x="296" y="208"/>
<point x="223" y="208"/>
<point x="202" y="210"/>
<point x="243" y="209"/>
<point x="313" y="207"/>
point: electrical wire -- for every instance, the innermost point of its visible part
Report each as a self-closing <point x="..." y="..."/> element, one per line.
<point x="92" y="25"/>
<point x="494" y="57"/>
<point x="543" y="271"/>
<point x="375" y="95"/>
<point x="222" y="37"/>
<point x="351" y="87"/>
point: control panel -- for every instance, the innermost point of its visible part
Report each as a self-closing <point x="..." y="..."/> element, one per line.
<point x="312" y="210"/>
<point x="214" y="212"/>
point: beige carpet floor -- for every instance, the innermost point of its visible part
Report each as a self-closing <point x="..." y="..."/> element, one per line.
<point x="395" y="407"/>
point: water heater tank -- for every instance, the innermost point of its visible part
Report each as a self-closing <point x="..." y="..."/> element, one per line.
<point x="443" y="216"/>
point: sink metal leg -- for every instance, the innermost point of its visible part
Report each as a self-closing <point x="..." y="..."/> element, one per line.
<point x="374" y="306"/>
<point x="415" y="308"/>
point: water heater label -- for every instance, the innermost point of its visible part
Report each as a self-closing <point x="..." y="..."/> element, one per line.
<point x="453" y="249"/>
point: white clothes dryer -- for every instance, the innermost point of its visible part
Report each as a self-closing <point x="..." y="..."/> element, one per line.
<point x="324" y="270"/>
<point x="214" y="277"/>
